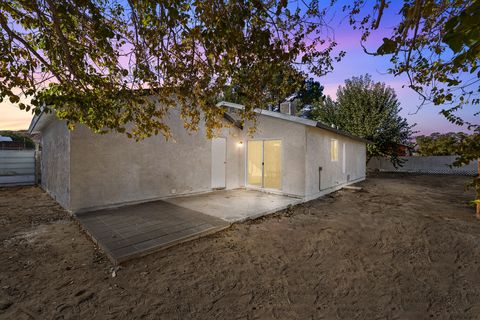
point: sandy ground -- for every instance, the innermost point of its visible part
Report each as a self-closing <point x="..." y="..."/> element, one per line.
<point x="407" y="247"/>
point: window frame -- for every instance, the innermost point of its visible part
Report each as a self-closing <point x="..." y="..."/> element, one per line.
<point x="333" y="150"/>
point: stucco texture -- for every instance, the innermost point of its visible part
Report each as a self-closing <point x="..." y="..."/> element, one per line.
<point x="112" y="169"/>
<point x="55" y="162"/>
<point x="331" y="176"/>
<point x="293" y="150"/>
<point x="97" y="171"/>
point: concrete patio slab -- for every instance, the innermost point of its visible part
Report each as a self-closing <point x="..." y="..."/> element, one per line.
<point x="235" y="205"/>
<point x="136" y="230"/>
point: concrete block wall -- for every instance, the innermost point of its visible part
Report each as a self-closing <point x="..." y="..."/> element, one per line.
<point x="428" y="165"/>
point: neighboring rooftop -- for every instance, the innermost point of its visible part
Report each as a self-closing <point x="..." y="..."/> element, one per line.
<point x="5" y="139"/>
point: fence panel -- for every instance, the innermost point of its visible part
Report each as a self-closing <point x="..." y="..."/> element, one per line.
<point x="429" y="165"/>
<point x="17" y="167"/>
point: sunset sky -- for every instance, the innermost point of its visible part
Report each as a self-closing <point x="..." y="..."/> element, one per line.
<point x="355" y="63"/>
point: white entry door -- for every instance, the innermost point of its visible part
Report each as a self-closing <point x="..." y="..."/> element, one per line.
<point x="219" y="161"/>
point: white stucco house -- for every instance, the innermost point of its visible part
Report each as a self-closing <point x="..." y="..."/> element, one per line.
<point x="287" y="155"/>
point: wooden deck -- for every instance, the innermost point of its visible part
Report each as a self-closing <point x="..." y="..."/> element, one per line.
<point x="136" y="230"/>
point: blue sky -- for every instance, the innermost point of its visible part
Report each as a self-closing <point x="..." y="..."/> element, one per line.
<point x="355" y="63"/>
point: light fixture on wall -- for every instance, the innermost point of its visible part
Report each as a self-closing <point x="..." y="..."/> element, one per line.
<point x="240" y="143"/>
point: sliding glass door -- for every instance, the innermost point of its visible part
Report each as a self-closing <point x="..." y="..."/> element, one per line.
<point x="264" y="164"/>
<point x="255" y="163"/>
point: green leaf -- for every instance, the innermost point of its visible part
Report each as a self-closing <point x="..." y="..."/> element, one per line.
<point x="389" y="46"/>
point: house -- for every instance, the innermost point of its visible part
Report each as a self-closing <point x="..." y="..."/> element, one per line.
<point x="404" y="150"/>
<point x="287" y="155"/>
<point x="15" y="140"/>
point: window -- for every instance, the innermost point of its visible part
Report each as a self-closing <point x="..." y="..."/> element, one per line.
<point x="334" y="150"/>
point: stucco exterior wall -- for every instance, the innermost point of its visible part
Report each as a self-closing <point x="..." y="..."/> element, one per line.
<point x="331" y="176"/>
<point x="111" y="169"/>
<point x="86" y="171"/>
<point x="293" y="138"/>
<point x="55" y="162"/>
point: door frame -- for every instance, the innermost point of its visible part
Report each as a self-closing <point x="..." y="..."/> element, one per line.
<point x="224" y="165"/>
<point x="262" y="188"/>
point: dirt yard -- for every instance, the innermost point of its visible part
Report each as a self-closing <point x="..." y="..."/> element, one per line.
<point x="406" y="247"/>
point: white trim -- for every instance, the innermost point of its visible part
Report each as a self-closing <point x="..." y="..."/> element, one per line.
<point x="40" y="122"/>
<point x="224" y="164"/>
<point x="333" y="142"/>
<point x="273" y="114"/>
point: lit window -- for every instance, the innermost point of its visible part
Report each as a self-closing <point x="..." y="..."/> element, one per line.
<point x="334" y="150"/>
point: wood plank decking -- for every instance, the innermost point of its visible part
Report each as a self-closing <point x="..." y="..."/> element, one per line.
<point x="136" y="230"/>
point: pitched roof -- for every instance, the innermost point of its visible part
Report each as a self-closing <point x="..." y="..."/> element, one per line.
<point x="40" y="121"/>
<point x="5" y="139"/>
<point x="287" y="117"/>
<point x="43" y="119"/>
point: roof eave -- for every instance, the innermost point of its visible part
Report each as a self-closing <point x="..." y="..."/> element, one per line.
<point x="295" y="119"/>
<point x="343" y="133"/>
<point x="39" y="122"/>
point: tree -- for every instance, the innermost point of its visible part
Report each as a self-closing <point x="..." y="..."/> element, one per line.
<point x="436" y="44"/>
<point x="467" y="151"/>
<point x="100" y="62"/>
<point x="438" y="144"/>
<point x="16" y="137"/>
<point x="285" y="81"/>
<point x="326" y="111"/>
<point x="369" y="110"/>
<point x="310" y="92"/>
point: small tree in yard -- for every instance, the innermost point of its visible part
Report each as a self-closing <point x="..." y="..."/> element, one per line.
<point x="369" y="110"/>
